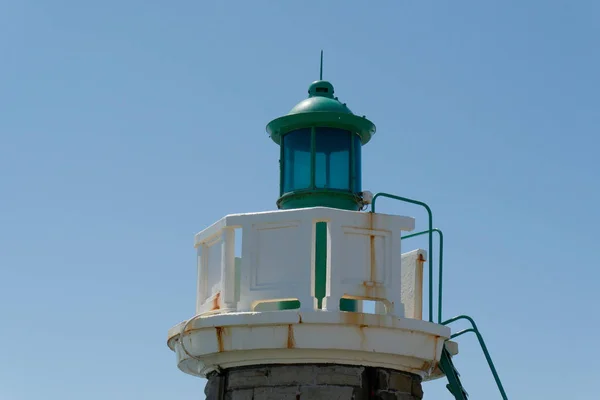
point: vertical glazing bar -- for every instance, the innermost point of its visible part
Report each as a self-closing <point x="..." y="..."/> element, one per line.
<point x="351" y="166"/>
<point x="327" y="170"/>
<point x="281" y="166"/>
<point x="313" y="157"/>
<point x="291" y="172"/>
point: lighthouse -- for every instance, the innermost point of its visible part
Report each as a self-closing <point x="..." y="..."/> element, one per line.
<point x="321" y="298"/>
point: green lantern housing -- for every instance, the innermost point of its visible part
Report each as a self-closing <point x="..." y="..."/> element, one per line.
<point x="320" y="141"/>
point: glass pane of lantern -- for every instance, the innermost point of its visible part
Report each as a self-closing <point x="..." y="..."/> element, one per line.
<point x="332" y="169"/>
<point x="357" y="186"/>
<point x="296" y="160"/>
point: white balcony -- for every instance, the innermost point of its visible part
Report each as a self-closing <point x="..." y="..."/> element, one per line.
<point x="276" y="263"/>
<point x="278" y="256"/>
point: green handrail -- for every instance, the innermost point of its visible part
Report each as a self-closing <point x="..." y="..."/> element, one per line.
<point x="420" y="203"/>
<point x="483" y="347"/>
<point x="457" y="334"/>
<point x="440" y="268"/>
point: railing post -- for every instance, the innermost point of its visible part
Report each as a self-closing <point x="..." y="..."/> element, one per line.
<point x="228" y="268"/>
<point x="430" y="214"/>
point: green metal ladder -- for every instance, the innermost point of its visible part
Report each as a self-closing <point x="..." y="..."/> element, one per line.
<point x="454" y="385"/>
<point x="446" y="365"/>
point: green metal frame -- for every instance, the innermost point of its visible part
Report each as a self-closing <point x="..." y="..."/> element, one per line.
<point x="454" y="385"/>
<point x="313" y="196"/>
<point x="313" y="158"/>
<point x="486" y="353"/>
<point x="341" y="199"/>
<point x="430" y="231"/>
<point x="281" y="167"/>
<point x="320" y="110"/>
<point x="440" y="266"/>
<point x="323" y="119"/>
<point x="352" y="174"/>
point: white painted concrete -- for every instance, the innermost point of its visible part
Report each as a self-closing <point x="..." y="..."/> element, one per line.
<point x="278" y="257"/>
<point x="230" y="340"/>
<point x="237" y="322"/>
<point x="412" y="283"/>
<point x="364" y="259"/>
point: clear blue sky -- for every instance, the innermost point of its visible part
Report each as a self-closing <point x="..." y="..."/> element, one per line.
<point x="128" y="126"/>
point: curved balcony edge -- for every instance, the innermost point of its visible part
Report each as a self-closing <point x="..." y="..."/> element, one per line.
<point x="220" y="341"/>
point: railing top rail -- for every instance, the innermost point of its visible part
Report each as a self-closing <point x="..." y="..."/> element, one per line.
<point x="317" y="214"/>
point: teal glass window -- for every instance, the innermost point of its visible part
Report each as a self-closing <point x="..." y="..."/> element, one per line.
<point x="332" y="158"/>
<point x="296" y="160"/>
<point x="326" y="158"/>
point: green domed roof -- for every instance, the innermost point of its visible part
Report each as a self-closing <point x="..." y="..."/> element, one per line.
<point x="320" y="104"/>
<point x="321" y="109"/>
<point x="320" y="100"/>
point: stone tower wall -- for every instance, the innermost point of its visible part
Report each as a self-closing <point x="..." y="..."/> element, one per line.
<point x="313" y="382"/>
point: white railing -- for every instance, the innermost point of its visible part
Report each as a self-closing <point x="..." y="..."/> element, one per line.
<point x="364" y="261"/>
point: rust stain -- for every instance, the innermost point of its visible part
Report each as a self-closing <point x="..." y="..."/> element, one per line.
<point x="435" y="359"/>
<point x="220" y="332"/>
<point x="421" y="258"/>
<point x="363" y="338"/>
<point x="215" y="305"/>
<point x="299" y="318"/>
<point x="372" y="268"/>
<point x="353" y="318"/>
<point x="373" y="259"/>
<point x="291" y="342"/>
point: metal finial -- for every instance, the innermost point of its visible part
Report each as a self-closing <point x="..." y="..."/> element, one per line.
<point x="321" y="73"/>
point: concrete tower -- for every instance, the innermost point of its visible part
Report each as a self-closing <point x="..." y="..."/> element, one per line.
<point x="321" y="303"/>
